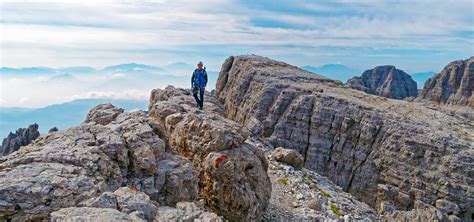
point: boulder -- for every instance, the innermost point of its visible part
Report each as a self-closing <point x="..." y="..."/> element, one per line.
<point x="447" y="207"/>
<point x="54" y="129"/>
<point x="129" y="200"/>
<point x="187" y="212"/>
<point x="453" y="85"/>
<point x="22" y="137"/>
<point x="386" y="81"/>
<point x="80" y="214"/>
<point x="103" y="114"/>
<point x="288" y="156"/>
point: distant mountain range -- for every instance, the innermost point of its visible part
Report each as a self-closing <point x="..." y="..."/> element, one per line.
<point x="128" y="67"/>
<point x="333" y="71"/>
<point x="60" y="115"/>
<point x="344" y="73"/>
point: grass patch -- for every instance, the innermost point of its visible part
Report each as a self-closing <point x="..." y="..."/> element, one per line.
<point x="335" y="210"/>
<point x="284" y="181"/>
<point x="324" y="193"/>
<point x="308" y="181"/>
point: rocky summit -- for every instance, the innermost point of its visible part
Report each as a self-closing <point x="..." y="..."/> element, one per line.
<point x="273" y="143"/>
<point x="454" y="85"/>
<point x="386" y="81"/>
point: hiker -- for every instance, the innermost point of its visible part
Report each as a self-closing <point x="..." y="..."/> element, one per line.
<point x="198" y="84"/>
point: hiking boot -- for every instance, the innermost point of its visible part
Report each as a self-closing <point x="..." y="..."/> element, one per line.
<point x="200" y="107"/>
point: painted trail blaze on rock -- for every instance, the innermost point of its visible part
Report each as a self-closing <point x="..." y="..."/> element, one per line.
<point x="134" y="189"/>
<point x="219" y="160"/>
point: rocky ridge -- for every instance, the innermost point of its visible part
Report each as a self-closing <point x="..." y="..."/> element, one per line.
<point x="386" y="81"/>
<point x="388" y="153"/>
<point x="177" y="163"/>
<point x="454" y="85"/>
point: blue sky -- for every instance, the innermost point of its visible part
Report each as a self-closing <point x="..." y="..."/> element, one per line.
<point x="413" y="35"/>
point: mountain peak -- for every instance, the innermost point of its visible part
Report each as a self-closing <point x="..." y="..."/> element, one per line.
<point x="386" y="81"/>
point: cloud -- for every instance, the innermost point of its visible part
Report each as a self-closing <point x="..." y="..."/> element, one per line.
<point x="127" y="94"/>
<point x="97" y="34"/>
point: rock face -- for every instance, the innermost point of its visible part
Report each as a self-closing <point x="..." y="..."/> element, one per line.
<point x="361" y="142"/>
<point x="22" y="137"/>
<point x="386" y="81"/>
<point x="232" y="173"/>
<point x="66" y="168"/>
<point x="454" y="85"/>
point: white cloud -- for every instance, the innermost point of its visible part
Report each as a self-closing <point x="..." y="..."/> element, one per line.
<point x="127" y="94"/>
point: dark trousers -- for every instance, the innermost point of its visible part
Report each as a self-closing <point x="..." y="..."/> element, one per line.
<point x="200" y="101"/>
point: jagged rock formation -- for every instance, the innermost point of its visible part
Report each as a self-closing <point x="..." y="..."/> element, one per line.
<point x="386" y="81"/>
<point x="361" y="142"/>
<point x="454" y="85"/>
<point x="129" y="204"/>
<point x="66" y="168"/>
<point x="233" y="178"/>
<point x="22" y="137"/>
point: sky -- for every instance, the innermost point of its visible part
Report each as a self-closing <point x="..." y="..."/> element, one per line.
<point x="415" y="36"/>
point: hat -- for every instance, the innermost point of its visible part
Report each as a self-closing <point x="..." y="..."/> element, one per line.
<point x="199" y="63"/>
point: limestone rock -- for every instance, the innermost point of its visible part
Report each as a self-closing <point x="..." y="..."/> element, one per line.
<point x="130" y="200"/>
<point x="453" y="85"/>
<point x="357" y="140"/>
<point x="187" y="212"/>
<point x="447" y="206"/>
<point x="66" y="168"/>
<point x="386" y="81"/>
<point x="80" y="214"/>
<point x="103" y="114"/>
<point x="105" y="200"/>
<point x="288" y="156"/>
<point x="22" y="137"/>
<point x="304" y="195"/>
<point x="421" y="212"/>
<point x="232" y="173"/>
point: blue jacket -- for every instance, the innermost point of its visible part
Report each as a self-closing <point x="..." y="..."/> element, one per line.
<point x="199" y="78"/>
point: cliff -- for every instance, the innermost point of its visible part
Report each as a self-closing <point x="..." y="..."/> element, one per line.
<point x="388" y="153"/>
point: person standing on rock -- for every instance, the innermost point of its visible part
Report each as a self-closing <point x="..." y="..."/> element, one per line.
<point x="198" y="84"/>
